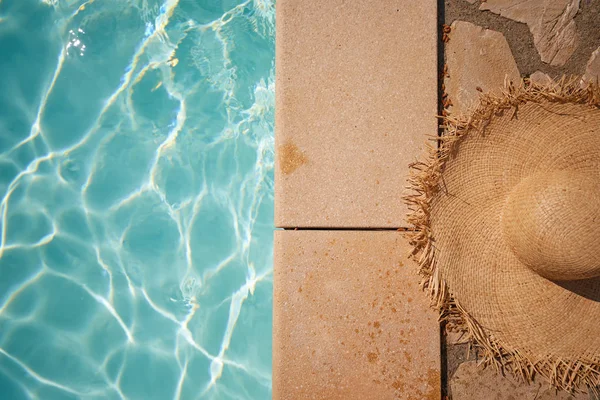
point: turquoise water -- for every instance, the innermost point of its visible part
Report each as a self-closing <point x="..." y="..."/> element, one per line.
<point x="136" y="157"/>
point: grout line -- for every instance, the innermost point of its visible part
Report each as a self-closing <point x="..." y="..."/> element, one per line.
<point x="402" y="229"/>
<point x="444" y="376"/>
<point x="441" y="63"/>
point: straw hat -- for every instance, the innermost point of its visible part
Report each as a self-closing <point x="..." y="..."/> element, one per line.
<point x="507" y="226"/>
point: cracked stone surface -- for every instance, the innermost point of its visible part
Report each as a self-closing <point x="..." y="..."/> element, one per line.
<point x="540" y="78"/>
<point x="550" y="22"/>
<point x="476" y="58"/>
<point x="472" y="382"/>
<point x="592" y="70"/>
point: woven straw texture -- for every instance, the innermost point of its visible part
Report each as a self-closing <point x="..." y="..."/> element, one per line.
<point x="506" y="217"/>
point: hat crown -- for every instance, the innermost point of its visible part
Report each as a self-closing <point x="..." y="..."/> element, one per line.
<point x="551" y="221"/>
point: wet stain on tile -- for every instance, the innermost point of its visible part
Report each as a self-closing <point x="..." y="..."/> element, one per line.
<point x="376" y="352"/>
<point x="372" y="357"/>
<point x="290" y="158"/>
<point x="423" y="388"/>
<point x="434" y="383"/>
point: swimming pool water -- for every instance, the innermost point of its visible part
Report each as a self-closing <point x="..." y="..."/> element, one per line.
<point x="136" y="157"/>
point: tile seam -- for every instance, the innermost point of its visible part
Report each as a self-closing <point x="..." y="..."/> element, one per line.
<point x="349" y="229"/>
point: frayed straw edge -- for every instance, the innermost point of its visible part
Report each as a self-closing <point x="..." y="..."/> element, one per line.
<point x="424" y="183"/>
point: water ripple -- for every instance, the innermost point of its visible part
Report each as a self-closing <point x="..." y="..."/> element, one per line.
<point x="136" y="184"/>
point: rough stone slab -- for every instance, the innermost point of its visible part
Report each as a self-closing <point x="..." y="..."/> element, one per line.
<point x="550" y="22"/>
<point x="350" y="321"/>
<point x="476" y="58"/>
<point x="592" y="69"/>
<point x="356" y="97"/>
<point x="541" y="78"/>
<point x="472" y="382"/>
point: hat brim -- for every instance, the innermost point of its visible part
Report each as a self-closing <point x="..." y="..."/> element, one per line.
<point x="519" y="320"/>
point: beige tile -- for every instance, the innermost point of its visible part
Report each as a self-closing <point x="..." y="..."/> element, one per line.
<point x="356" y="95"/>
<point x="350" y="321"/>
<point x="472" y="382"/>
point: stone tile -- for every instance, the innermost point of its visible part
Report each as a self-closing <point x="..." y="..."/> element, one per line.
<point x="356" y="95"/>
<point x="550" y="22"/>
<point x="476" y="58"/>
<point x="350" y="321"/>
<point x="541" y="78"/>
<point x="592" y="69"/>
<point x="473" y="382"/>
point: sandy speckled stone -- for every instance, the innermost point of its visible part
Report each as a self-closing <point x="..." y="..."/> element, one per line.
<point x="350" y="320"/>
<point x="356" y="97"/>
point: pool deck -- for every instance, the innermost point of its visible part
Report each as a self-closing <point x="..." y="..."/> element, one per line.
<point x="356" y="100"/>
<point x="356" y="95"/>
